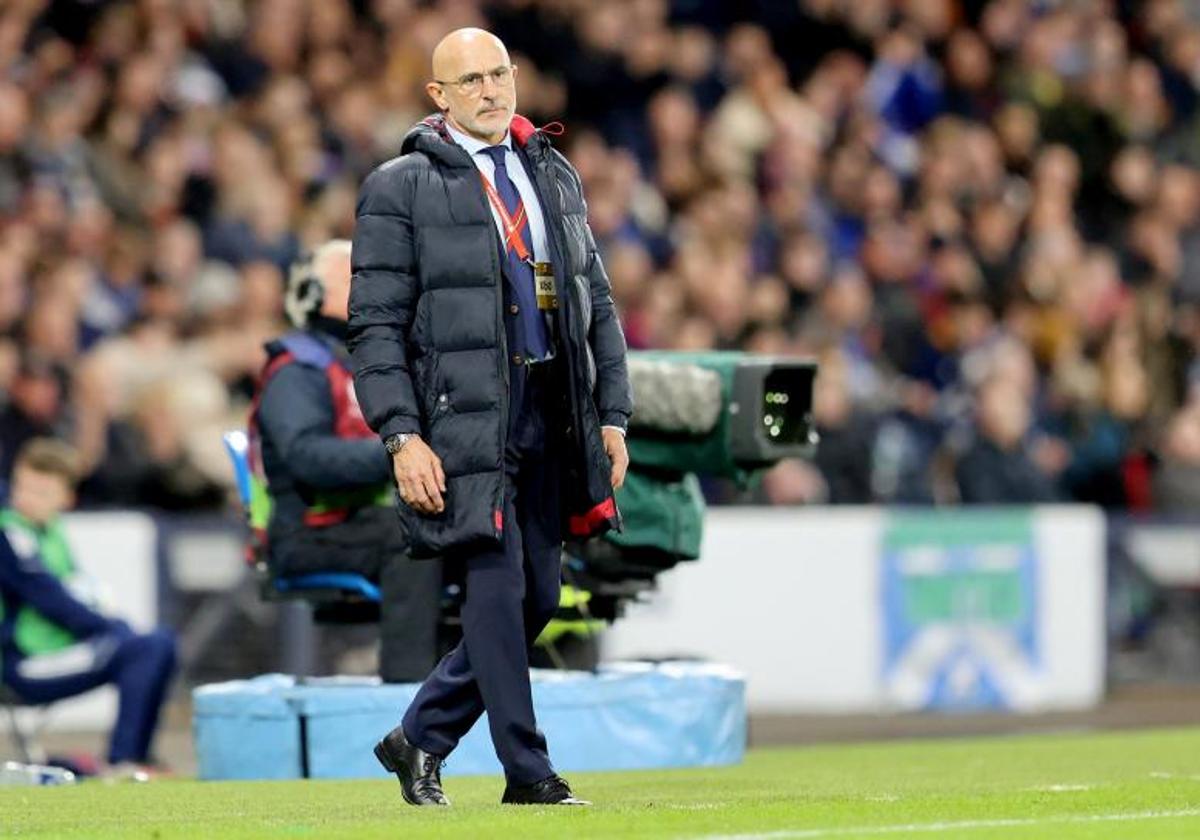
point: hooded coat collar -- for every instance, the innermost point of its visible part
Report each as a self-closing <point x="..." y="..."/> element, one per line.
<point x="431" y="137"/>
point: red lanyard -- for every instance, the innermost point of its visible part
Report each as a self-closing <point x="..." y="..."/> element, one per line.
<point x="512" y="227"/>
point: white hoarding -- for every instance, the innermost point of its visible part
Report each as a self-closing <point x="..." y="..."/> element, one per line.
<point x="872" y="610"/>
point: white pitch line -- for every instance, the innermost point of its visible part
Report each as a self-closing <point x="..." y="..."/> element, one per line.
<point x="961" y="825"/>
<point x="1192" y="777"/>
<point x="1058" y="788"/>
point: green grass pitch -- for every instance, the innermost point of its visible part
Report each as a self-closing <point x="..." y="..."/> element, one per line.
<point x="1117" y="785"/>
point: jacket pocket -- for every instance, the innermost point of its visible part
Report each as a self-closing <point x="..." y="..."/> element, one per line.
<point x="428" y="386"/>
<point x="441" y="407"/>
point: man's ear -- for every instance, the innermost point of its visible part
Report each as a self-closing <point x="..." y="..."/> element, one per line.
<point x="437" y="95"/>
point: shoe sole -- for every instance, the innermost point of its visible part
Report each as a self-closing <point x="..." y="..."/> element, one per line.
<point x="507" y="799"/>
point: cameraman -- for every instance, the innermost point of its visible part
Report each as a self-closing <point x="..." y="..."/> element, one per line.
<point x="328" y="476"/>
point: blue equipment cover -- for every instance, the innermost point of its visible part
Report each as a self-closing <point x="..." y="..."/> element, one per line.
<point x="626" y="716"/>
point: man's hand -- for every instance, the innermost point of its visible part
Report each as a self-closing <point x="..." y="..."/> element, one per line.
<point x="420" y="477"/>
<point x="614" y="445"/>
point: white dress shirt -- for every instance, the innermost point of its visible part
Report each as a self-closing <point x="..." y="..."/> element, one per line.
<point x="520" y="179"/>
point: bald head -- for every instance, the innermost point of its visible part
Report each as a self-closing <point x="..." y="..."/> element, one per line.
<point x="455" y="53"/>
<point x="473" y="83"/>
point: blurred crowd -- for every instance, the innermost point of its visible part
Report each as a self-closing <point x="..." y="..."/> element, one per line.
<point x="983" y="218"/>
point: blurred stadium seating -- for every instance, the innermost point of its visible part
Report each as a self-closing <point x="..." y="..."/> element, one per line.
<point x="982" y="218"/>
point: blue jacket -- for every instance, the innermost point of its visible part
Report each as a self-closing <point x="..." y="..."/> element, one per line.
<point x="303" y="455"/>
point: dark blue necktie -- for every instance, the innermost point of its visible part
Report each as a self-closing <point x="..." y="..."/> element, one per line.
<point x="519" y="271"/>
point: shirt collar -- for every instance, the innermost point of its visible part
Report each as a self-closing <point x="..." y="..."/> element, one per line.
<point x="473" y="145"/>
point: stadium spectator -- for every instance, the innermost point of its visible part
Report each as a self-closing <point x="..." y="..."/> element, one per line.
<point x="847" y="438"/>
<point x="996" y="469"/>
<point x="1177" y="485"/>
<point x="34" y="407"/>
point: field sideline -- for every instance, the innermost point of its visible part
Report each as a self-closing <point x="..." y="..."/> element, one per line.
<point x="1142" y="784"/>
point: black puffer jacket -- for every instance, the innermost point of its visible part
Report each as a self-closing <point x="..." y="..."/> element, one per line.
<point x="428" y="339"/>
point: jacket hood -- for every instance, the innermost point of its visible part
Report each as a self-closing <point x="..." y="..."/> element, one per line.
<point x="431" y="137"/>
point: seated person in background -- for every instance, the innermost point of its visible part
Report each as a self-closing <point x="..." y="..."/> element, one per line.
<point x="53" y="643"/>
<point x="1177" y="481"/>
<point x="33" y="407"/>
<point x="997" y="469"/>
<point x="329" y="477"/>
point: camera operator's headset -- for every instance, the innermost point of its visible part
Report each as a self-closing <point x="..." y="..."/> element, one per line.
<point x="304" y="293"/>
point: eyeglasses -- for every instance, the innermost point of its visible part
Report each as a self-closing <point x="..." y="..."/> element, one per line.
<point x="471" y="84"/>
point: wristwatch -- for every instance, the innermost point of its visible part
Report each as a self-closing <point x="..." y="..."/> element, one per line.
<point x="394" y="443"/>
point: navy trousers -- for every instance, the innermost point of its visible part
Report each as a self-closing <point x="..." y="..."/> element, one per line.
<point x="139" y="665"/>
<point x="511" y="593"/>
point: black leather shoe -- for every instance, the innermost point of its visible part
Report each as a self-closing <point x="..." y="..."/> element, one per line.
<point x="419" y="772"/>
<point x="550" y="791"/>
